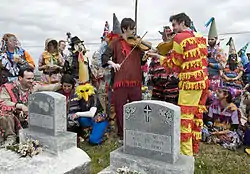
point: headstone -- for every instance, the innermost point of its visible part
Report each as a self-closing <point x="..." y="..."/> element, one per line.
<point x="47" y="113"/>
<point x="151" y="140"/>
<point x="48" y="124"/>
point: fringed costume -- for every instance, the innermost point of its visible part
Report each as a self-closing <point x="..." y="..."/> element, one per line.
<point x="189" y="59"/>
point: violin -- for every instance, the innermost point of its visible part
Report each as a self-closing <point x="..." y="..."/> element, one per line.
<point x="136" y="41"/>
<point x="162" y="48"/>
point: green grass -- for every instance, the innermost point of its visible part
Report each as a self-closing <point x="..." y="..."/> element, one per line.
<point x="212" y="159"/>
<point x="100" y="154"/>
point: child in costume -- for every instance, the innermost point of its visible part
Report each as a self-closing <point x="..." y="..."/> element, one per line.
<point x="225" y="120"/>
<point x="84" y="109"/>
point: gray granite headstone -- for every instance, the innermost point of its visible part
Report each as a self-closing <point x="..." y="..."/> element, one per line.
<point x="152" y="130"/>
<point x="47" y="113"/>
<point x="48" y="125"/>
<point x="48" y="122"/>
<point x="151" y="140"/>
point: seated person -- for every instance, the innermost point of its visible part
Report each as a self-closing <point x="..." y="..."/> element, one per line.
<point x="84" y="108"/>
<point x="14" y="104"/>
<point x="224" y="121"/>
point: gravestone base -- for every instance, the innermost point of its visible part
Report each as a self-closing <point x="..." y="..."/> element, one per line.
<point x="71" y="161"/>
<point x="52" y="144"/>
<point x="118" y="159"/>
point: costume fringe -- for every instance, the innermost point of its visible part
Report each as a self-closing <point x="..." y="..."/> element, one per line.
<point x="189" y="110"/>
<point x="196" y="146"/>
<point x="192" y="64"/>
<point x="196" y="74"/>
<point x="201" y="109"/>
<point x="188" y="41"/>
<point x="185" y="137"/>
<point x="200" y="85"/>
<point x="127" y="84"/>
<point x="198" y="116"/>
<point x="187" y="123"/>
<point x="196" y="135"/>
<point x="170" y="66"/>
<point x="197" y="126"/>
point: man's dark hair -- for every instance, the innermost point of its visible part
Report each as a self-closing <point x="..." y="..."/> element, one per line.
<point x="181" y="17"/>
<point x="67" y="78"/>
<point x="60" y="41"/>
<point x="127" y="23"/>
<point x="22" y="70"/>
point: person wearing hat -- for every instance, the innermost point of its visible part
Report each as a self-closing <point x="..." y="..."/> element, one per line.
<point x="13" y="58"/>
<point x="216" y="56"/>
<point x="79" y="62"/>
<point x="165" y="84"/>
<point x="51" y="63"/>
<point x="166" y="33"/>
<point x="233" y="71"/>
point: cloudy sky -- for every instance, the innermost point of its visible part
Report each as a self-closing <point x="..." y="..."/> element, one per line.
<point x="35" y="20"/>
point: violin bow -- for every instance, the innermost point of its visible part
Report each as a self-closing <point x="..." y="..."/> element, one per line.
<point x="133" y="48"/>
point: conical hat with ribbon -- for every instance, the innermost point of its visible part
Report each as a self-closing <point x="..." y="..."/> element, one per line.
<point x="213" y="30"/>
<point x="232" y="49"/>
<point x="243" y="49"/>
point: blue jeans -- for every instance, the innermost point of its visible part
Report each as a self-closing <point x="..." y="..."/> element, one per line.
<point x="98" y="129"/>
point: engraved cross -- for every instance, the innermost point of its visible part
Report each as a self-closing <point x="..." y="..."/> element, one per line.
<point x="147" y="110"/>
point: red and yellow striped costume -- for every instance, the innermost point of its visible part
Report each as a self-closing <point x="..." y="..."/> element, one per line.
<point x="189" y="59"/>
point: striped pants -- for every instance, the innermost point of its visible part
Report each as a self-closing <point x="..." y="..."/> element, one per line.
<point x="192" y="103"/>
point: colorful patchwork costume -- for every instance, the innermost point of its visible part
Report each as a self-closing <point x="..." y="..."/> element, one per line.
<point x="189" y="59"/>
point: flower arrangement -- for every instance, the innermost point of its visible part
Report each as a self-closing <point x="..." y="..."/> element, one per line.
<point x="126" y="170"/>
<point x="29" y="148"/>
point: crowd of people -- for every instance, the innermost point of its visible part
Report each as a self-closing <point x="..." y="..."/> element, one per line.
<point x="210" y="86"/>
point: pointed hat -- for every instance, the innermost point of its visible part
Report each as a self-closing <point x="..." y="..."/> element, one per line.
<point x="232" y="49"/>
<point x="213" y="30"/>
<point x="243" y="49"/>
<point x="116" y="25"/>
